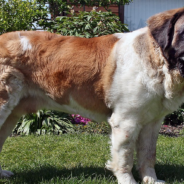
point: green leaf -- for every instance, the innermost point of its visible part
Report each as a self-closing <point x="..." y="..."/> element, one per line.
<point x="95" y="29"/>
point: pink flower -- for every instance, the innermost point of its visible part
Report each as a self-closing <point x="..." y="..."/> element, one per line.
<point x="78" y="119"/>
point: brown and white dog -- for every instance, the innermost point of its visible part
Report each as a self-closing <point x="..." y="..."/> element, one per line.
<point x="132" y="80"/>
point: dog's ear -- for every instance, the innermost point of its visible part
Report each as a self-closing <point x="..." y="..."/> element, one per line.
<point x="161" y="27"/>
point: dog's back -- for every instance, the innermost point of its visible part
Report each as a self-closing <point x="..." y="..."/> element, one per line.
<point x="66" y="69"/>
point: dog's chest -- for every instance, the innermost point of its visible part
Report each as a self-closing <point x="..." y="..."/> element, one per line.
<point x="139" y="91"/>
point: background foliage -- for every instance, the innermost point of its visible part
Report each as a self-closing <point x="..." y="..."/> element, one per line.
<point x="57" y="7"/>
<point x="54" y="122"/>
<point x="88" y="24"/>
<point x="44" y="122"/>
<point x="175" y="118"/>
<point x="20" y="15"/>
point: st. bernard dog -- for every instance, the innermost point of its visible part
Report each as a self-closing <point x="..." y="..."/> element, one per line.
<point x="132" y="80"/>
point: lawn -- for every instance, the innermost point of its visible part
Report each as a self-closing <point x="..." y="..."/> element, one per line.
<point x="79" y="159"/>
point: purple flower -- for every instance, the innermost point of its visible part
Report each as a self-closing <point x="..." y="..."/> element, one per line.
<point x="78" y="119"/>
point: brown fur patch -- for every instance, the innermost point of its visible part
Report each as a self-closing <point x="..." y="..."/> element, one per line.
<point x="63" y="67"/>
<point x="142" y="47"/>
<point x="161" y="27"/>
<point x="149" y="51"/>
<point x="178" y="38"/>
<point x="157" y="21"/>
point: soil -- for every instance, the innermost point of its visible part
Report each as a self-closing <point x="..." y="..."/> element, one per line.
<point x="172" y="130"/>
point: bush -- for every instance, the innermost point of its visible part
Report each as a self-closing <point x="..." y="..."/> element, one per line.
<point x="44" y="122"/>
<point x="54" y="122"/>
<point x="20" y="15"/>
<point x="88" y="24"/>
<point x="175" y="118"/>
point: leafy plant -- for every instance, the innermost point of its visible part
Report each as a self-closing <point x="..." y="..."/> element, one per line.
<point x="54" y="122"/>
<point x="175" y="118"/>
<point x="20" y="15"/>
<point x="88" y="24"/>
<point x="44" y="122"/>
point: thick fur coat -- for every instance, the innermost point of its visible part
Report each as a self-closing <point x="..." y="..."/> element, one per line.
<point x="132" y="80"/>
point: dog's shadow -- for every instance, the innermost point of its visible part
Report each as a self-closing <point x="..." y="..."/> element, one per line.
<point x="50" y="174"/>
<point x="170" y="173"/>
<point x="47" y="173"/>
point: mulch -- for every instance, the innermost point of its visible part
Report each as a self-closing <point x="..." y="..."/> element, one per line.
<point x="172" y="130"/>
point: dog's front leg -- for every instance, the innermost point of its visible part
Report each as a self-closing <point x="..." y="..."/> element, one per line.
<point x="146" y="153"/>
<point x="124" y="135"/>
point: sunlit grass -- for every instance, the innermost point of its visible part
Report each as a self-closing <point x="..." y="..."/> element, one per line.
<point x="79" y="159"/>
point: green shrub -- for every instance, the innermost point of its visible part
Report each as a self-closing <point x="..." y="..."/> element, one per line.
<point x="20" y="15"/>
<point x="175" y="118"/>
<point x="54" y="122"/>
<point x="44" y="122"/>
<point x="88" y="24"/>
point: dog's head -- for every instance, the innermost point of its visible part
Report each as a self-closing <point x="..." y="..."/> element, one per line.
<point x="167" y="29"/>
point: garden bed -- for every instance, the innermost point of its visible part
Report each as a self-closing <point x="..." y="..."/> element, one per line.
<point x="172" y="130"/>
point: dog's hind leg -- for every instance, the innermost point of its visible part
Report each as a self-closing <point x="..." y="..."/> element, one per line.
<point x="146" y="153"/>
<point x="11" y="86"/>
<point x="5" y="131"/>
<point x="11" y="89"/>
<point x="124" y="135"/>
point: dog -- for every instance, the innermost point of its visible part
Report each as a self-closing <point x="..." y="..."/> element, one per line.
<point x="130" y="79"/>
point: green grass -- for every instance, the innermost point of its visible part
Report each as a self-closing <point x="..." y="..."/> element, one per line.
<point x="79" y="159"/>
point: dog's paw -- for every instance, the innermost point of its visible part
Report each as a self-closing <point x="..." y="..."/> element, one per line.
<point x="6" y="174"/>
<point x="126" y="178"/>
<point x="150" y="180"/>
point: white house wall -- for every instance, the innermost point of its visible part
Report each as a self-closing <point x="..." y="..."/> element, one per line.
<point x="138" y="11"/>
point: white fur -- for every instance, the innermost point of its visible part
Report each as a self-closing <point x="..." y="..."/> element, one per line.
<point x="182" y="58"/>
<point x="139" y="100"/>
<point x="25" y="43"/>
<point x="119" y="35"/>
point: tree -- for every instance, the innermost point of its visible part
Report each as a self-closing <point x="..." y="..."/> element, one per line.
<point x="20" y="15"/>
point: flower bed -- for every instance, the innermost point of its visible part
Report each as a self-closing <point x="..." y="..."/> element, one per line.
<point x="78" y="119"/>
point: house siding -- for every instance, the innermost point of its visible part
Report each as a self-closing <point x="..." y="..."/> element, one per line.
<point x="138" y="11"/>
<point x="113" y="8"/>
